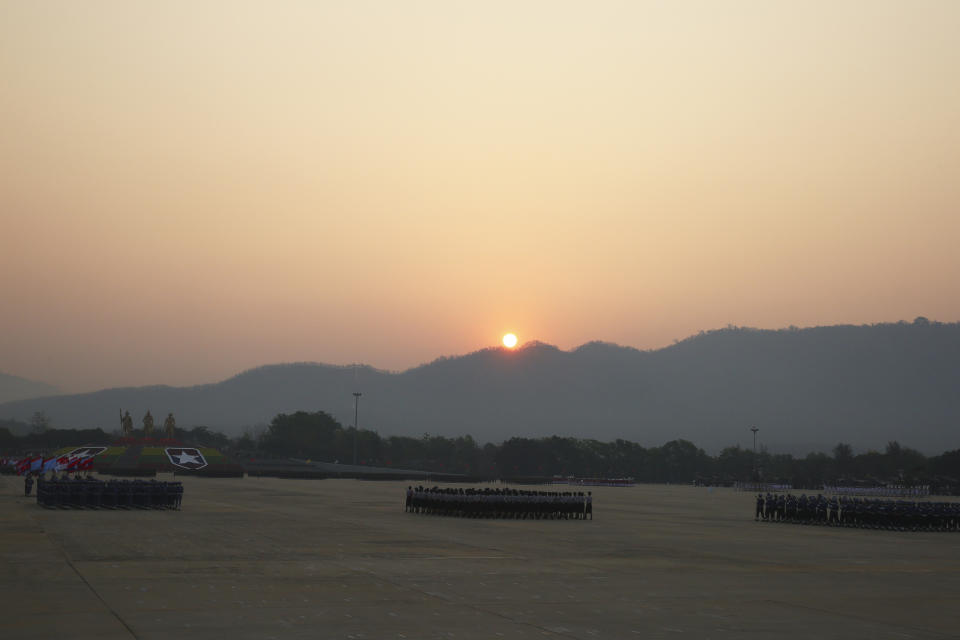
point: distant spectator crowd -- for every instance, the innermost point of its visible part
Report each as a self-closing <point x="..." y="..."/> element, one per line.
<point x="761" y="486"/>
<point x="594" y="482"/>
<point x="888" y="491"/>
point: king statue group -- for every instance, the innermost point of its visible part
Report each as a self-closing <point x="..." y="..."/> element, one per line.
<point x="169" y="425"/>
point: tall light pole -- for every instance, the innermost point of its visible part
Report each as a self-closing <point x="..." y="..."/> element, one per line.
<point x="754" y="429"/>
<point x="356" y="424"/>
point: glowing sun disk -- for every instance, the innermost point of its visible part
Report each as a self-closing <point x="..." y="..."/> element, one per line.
<point x="509" y="341"/>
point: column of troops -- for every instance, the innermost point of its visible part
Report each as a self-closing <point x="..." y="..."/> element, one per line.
<point x="89" y="493"/>
<point x="500" y="503"/>
<point x="864" y="513"/>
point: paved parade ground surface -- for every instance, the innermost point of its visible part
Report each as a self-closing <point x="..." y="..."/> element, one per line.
<point x="271" y="558"/>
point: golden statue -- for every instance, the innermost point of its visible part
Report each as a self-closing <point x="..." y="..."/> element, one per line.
<point x="170" y="426"/>
<point x="148" y="424"/>
<point x="126" y="425"/>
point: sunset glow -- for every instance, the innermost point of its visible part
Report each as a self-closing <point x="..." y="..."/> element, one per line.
<point x="189" y="190"/>
<point x="509" y="341"/>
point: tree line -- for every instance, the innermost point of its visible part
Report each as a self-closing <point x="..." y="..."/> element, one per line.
<point x="50" y="439"/>
<point x="320" y="437"/>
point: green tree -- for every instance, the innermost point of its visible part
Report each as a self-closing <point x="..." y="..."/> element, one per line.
<point x="305" y="435"/>
<point x="40" y="423"/>
<point x="843" y="454"/>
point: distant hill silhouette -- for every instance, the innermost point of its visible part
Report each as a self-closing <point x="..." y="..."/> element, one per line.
<point x="806" y="389"/>
<point x="14" y="388"/>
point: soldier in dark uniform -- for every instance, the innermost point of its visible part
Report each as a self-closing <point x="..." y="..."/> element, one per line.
<point x="833" y="512"/>
<point x="588" y="506"/>
<point x="759" y="507"/>
<point x="28" y="484"/>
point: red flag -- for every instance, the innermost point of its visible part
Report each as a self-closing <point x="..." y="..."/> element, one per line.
<point x="85" y="464"/>
<point x="26" y="465"/>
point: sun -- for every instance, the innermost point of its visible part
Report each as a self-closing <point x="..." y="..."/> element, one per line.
<point x="509" y="341"/>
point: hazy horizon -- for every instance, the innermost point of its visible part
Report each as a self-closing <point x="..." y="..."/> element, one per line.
<point x="188" y="191"/>
<point x="525" y="344"/>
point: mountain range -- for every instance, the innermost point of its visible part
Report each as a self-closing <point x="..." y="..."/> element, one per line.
<point x="804" y="389"/>
<point x="16" y="388"/>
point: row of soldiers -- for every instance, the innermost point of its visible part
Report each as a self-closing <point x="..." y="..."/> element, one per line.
<point x="500" y="503"/>
<point x="865" y="513"/>
<point x="90" y="493"/>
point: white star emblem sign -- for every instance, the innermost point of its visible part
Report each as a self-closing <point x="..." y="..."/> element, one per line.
<point x="186" y="458"/>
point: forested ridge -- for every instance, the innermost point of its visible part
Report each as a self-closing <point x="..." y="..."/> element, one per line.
<point x="806" y="389"/>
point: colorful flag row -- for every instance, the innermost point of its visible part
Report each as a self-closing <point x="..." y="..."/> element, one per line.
<point x="39" y="464"/>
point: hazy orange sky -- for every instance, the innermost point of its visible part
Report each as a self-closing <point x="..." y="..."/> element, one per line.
<point x="191" y="189"/>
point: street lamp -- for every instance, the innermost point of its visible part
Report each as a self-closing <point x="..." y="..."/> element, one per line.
<point x="356" y="424"/>
<point x="754" y="429"/>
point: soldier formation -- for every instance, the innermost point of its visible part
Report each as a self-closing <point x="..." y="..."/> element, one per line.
<point x="500" y="503"/>
<point x="89" y="493"/>
<point x="864" y="513"/>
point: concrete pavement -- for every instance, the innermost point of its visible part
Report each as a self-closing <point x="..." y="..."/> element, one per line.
<point x="272" y="558"/>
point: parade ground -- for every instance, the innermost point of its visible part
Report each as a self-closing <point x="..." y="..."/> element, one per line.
<point x="272" y="558"/>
